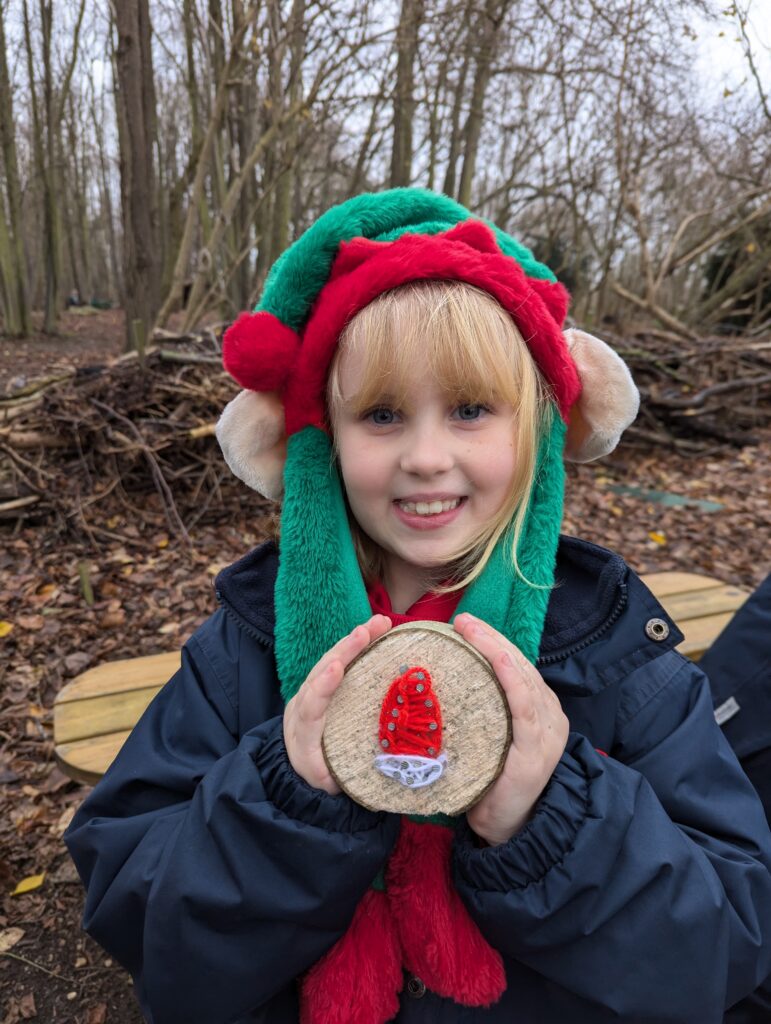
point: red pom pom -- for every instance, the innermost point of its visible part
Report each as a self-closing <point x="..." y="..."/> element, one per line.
<point x="258" y="351"/>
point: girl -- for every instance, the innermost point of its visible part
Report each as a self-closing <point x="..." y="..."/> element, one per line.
<point x="410" y="393"/>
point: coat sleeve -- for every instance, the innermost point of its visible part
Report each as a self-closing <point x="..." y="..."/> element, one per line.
<point x="642" y="883"/>
<point x="213" y="872"/>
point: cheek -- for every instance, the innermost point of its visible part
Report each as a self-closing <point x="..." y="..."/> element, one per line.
<point x="360" y="467"/>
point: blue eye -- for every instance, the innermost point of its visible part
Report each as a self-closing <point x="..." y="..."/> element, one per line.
<point x="470" y="412"/>
<point x="382" y="417"/>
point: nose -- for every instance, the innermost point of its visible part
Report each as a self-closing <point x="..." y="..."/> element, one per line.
<point x="427" y="451"/>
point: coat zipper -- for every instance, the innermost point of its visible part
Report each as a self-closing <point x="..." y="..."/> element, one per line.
<point x="551" y="659"/>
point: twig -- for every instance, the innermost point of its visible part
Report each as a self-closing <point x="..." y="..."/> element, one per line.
<point x="33" y="963"/>
<point x="163" y="487"/>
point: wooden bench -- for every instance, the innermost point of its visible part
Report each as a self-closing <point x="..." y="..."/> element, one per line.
<point x="94" y="713"/>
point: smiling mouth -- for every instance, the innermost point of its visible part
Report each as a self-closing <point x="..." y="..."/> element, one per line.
<point x="429" y="508"/>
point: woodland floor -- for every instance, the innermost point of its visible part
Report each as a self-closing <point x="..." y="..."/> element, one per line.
<point x="152" y="590"/>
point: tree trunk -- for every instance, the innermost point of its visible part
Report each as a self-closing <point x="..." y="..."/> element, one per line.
<point x="17" y="305"/>
<point x="490" y="23"/>
<point x="410" y="20"/>
<point x="135" y="96"/>
<point x="455" y="131"/>
<point x="283" y="198"/>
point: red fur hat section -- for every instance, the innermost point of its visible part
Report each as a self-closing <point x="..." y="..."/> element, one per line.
<point x="259" y="351"/>
<point x="365" y="269"/>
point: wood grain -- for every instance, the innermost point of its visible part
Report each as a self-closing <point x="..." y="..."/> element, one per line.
<point x="475" y="717"/>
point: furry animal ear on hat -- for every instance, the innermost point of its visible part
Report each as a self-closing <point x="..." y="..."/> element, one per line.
<point x="608" y="403"/>
<point x="252" y="437"/>
<point x="252" y="433"/>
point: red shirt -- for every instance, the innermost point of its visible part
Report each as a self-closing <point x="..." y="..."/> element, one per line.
<point x="434" y="607"/>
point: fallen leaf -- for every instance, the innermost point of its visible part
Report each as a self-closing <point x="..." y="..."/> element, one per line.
<point x="9" y="937"/>
<point x="63" y="822"/>
<point x="5" y="628"/>
<point x="113" y="618"/>
<point x="97" y="1014"/>
<point x="77" y="661"/>
<point x="658" y="538"/>
<point x="31" y="622"/>
<point x="27" y="1007"/>
<point x="29" y="884"/>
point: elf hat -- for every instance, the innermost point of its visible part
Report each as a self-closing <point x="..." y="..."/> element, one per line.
<point x="274" y="434"/>
<point x="281" y="353"/>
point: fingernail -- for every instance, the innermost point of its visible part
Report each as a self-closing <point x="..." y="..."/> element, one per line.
<point x="478" y="630"/>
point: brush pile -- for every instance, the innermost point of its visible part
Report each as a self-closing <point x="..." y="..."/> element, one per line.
<point x="697" y="395"/>
<point x="96" y="441"/>
<point x="100" y="440"/>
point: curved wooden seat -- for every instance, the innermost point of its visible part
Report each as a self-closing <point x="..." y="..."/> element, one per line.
<point x="94" y="713"/>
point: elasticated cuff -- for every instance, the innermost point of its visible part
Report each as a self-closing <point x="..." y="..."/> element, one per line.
<point x="295" y="798"/>
<point x="542" y="844"/>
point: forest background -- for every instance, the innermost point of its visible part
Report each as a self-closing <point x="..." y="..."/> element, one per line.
<point x="156" y="156"/>
<point x="155" y="152"/>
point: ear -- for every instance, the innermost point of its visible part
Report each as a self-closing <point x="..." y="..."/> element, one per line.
<point x="252" y="437"/>
<point x="608" y="403"/>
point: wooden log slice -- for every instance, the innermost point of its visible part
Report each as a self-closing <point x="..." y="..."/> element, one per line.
<point x="419" y="724"/>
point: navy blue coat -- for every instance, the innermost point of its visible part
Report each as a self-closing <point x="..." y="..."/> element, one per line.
<point x="640" y="890"/>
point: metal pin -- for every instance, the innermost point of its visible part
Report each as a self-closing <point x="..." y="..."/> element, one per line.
<point x="395" y="713"/>
<point x="428" y="703"/>
<point x="384" y="743"/>
<point x="432" y="726"/>
<point x="392" y="726"/>
<point x="420" y="687"/>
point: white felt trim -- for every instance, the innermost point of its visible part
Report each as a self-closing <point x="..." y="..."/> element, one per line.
<point x="609" y="399"/>
<point x="252" y="436"/>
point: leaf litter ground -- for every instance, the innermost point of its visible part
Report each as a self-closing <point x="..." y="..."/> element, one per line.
<point x="152" y="589"/>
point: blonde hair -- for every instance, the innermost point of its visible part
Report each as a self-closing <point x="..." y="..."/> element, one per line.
<point x="477" y="355"/>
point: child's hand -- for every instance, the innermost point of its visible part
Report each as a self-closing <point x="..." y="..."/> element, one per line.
<point x="305" y="713"/>
<point x="539" y="735"/>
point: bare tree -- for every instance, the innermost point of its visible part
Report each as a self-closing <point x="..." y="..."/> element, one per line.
<point x="12" y="258"/>
<point x="135" y="97"/>
<point x="410" y="19"/>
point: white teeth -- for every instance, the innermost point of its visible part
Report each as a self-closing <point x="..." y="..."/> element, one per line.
<point x="429" y="508"/>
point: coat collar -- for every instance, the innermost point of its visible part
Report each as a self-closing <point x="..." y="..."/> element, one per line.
<point x="595" y="622"/>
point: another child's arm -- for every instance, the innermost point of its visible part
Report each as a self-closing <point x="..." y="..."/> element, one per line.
<point x="215" y="874"/>
<point x="641" y="881"/>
